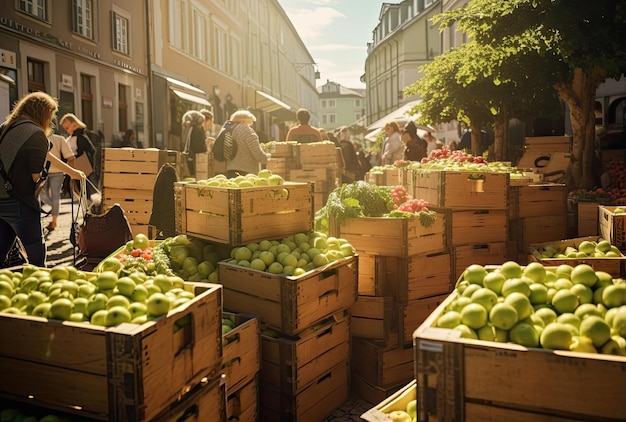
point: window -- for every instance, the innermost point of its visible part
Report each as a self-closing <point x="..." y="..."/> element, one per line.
<point x="178" y="23"/>
<point x="219" y="48"/>
<point x="235" y="51"/>
<point x="82" y="18"/>
<point x="120" y="33"/>
<point x="323" y="103"/>
<point x="36" y="8"/>
<point x="332" y="119"/>
<point x="86" y="99"/>
<point x="357" y="102"/>
<point x="331" y="104"/>
<point x="357" y="116"/>
<point x="200" y="35"/>
<point x="36" y="77"/>
<point x="122" y="92"/>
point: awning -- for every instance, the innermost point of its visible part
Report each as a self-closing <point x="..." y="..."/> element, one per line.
<point x="400" y="115"/>
<point x="371" y="136"/>
<point x="193" y="98"/>
<point x="268" y="103"/>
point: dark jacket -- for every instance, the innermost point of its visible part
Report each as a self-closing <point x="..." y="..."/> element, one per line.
<point x="163" y="215"/>
<point x="414" y="150"/>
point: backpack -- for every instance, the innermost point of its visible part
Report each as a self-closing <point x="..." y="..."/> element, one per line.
<point x="225" y="147"/>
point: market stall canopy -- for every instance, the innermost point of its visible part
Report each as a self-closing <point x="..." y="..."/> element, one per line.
<point x="193" y="98"/>
<point x="268" y="103"/>
<point x="400" y="115"/>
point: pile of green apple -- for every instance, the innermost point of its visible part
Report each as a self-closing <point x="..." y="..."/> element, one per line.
<point x="264" y="177"/>
<point x="15" y="415"/>
<point x="586" y="249"/>
<point x="407" y="415"/>
<point x="564" y="308"/>
<point x="619" y="210"/>
<point x="294" y="255"/>
<point x="67" y="294"/>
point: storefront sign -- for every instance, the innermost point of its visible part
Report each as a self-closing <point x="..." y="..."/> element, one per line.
<point x="8" y="59"/>
<point x="107" y="102"/>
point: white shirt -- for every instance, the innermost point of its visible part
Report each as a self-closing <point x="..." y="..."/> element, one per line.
<point x="60" y="149"/>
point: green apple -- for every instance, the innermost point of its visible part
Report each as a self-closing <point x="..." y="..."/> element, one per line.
<point x="587" y="247"/>
<point x="584" y="274"/>
<point x="29" y="284"/>
<point x="614" y="295"/>
<point x="59" y="272"/>
<point x="80" y="305"/>
<point x="556" y="336"/>
<point x="126" y="286"/>
<point x="86" y="290"/>
<point x="515" y="285"/>
<point x="141" y="319"/>
<point x="546" y="314"/>
<point x="466" y="332"/>
<point x="474" y="316"/>
<point x="596" y="329"/>
<point x="99" y="318"/>
<point x="469" y="290"/>
<point x="6" y="288"/>
<point x="19" y="300"/>
<point x="449" y="319"/>
<point x="524" y="334"/>
<point x="485" y="297"/>
<point x="487" y="333"/>
<point x="158" y="304"/>
<point x="475" y="274"/>
<point x="117" y="315"/>
<point x="137" y="309"/>
<point x="587" y="309"/>
<point x="511" y="269"/>
<point x="564" y="271"/>
<point x="35" y="298"/>
<point x="139" y="293"/>
<point x="411" y="409"/>
<point x="582" y="344"/>
<point x="399" y="416"/>
<point x="565" y="301"/>
<point x="70" y="287"/>
<point x="618" y="320"/>
<point x="535" y="271"/>
<point x="97" y="302"/>
<point x="106" y="280"/>
<point x="5" y="302"/>
<point x="118" y="300"/>
<point x="538" y="294"/>
<point x="616" y="346"/>
<point x="494" y="281"/>
<point x="41" y="310"/>
<point x="583" y="292"/>
<point x="77" y="317"/>
<point x="521" y="303"/>
<point x="61" y="309"/>
<point x="152" y="289"/>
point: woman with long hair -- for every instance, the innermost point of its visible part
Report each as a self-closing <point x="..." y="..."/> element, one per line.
<point x="23" y="150"/>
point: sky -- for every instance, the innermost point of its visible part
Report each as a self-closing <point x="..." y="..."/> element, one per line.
<point x="336" y="33"/>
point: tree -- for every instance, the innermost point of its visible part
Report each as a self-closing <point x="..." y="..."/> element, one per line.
<point x="578" y="44"/>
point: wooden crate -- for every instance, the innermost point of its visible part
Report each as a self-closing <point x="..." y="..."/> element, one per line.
<point x="587" y="218"/>
<point x="126" y="373"/>
<point x="136" y="203"/>
<point x="322" y="178"/>
<point x="291" y="364"/>
<point x="243" y="404"/>
<point x="548" y="143"/>
<point x="241" y="216"/>
<point x="316" y="155"/>
<point x="326" y="393"/>
<point x="205" y="402"/>
<point x="372" y="274"/>
<point x="371" y="317"/>
<point x="418" y="276"/>
<point x="612" y="226"/>
<point x="286" y="303"/>
<point x="530" y="230"/>
<point x="400" y="237"/>
<point x="381" y="365"/>
<point x="278" y="166"/>
<point x="202" y="165"/>
<point x="371" y="393"/>
<point x="376" y="177"/>
<point x="475" y="226"/>
<point x="241" y="356"/>
<point x="393" y="176"/>
<point x="132" y="168"/>
<point x="397" y="401"/>
<point x="615" y="266"/>
<point x="483" y="253"/>
<point x="537" y="200"/>
<point x="462" y="189"/>
<point x="282" y="149"/>
<point x="413" y="314"/>
<point x="455" y="380"/>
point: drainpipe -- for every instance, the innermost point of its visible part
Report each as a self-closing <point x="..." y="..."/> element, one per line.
<point x="149" y="96"/>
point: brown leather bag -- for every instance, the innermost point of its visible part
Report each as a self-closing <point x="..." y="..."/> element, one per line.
<point x="103" y="234"/>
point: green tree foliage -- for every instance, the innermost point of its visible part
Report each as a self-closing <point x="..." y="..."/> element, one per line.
<point x="524" y="47"/>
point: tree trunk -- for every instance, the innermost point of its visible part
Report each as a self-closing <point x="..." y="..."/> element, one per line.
<point x="475" y="128"/>
<point x="501" y="136"/>
<point x="579" y="93"/>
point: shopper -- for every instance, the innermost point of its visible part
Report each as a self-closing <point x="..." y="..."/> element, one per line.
<point x="23" y="151"/>
<point x="249" y="155"/>
<point x="352" y="168"/>
<point x="304" y="132"/>
<point x="193" y="137"/>
<point x="51" y="192"/>
<point x="392" y="150"/>
<point x="81" y="144"/>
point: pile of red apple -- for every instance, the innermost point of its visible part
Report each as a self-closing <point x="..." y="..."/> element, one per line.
<point x="565" y="308"/>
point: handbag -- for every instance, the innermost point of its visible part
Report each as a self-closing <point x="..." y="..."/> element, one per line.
<point x="102" y="234"/>
<point x="83" y="164"/>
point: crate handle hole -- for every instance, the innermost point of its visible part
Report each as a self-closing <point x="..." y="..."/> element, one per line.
<point x="183" y="331"/>
<point x="329" y="293"/>
<point x="189" y="412"/>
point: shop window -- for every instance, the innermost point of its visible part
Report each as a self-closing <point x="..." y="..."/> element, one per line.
<point x="36" y="76"/>
<point x="82" y="18"/>
<point x="36" y="8"/>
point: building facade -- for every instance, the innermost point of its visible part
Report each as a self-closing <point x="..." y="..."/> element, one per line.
<point x="340" y="106"/>
<point x="84" y="53"/>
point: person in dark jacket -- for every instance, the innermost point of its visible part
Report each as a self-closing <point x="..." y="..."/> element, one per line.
<point x="414" y="149"/>
<point x="163" y="215"/>
<point x="193" y="137"/>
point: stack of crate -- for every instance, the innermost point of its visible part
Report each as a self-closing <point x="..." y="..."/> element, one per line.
<point x="404" y="272"/>
<point x="475" y="204"/>
<point x="128" y="177"/>
<point x="537" y="213"/>
<point x="305" y="341"/>
<point x="150" y="372"/>
<point x="387" y="176"/>
<point x="241" y="363"/>
<point x="315" y="162"/>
